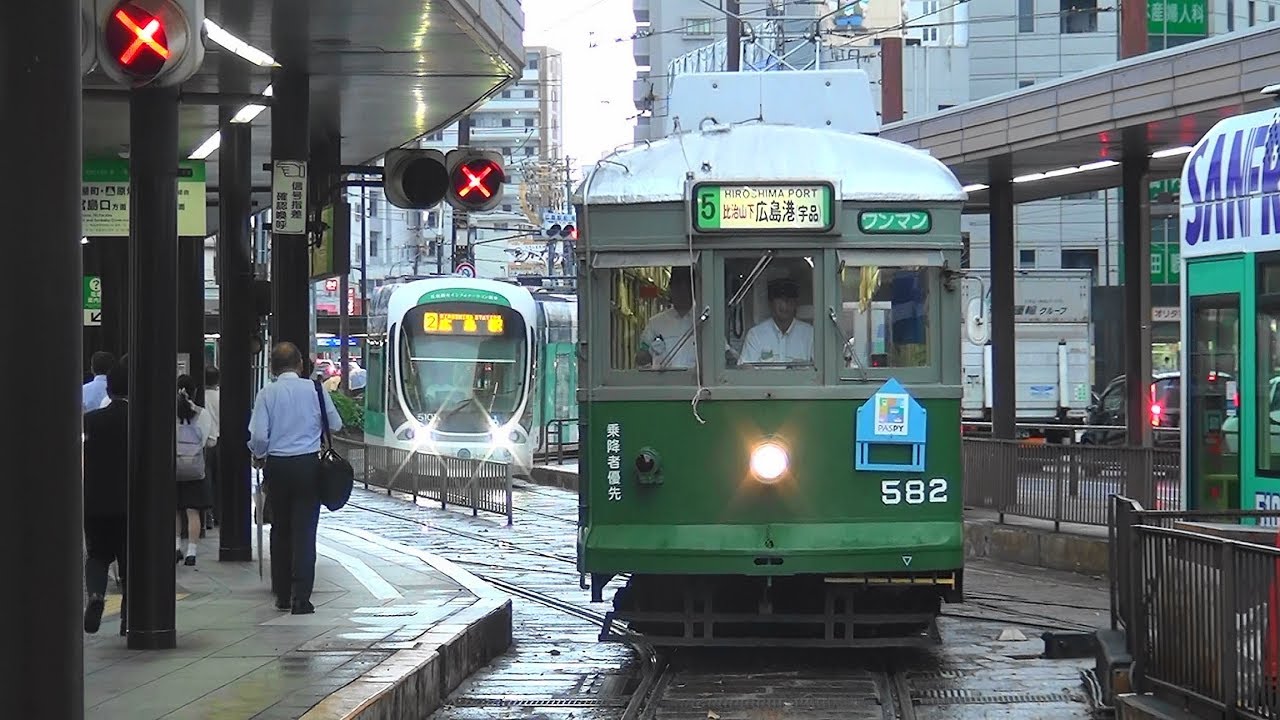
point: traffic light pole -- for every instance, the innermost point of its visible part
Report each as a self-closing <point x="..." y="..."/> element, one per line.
<point x="153" y="345"/>
<point x="40" y="520"/>
<point x="290" y="258"/>
<point x="239" y="323"/>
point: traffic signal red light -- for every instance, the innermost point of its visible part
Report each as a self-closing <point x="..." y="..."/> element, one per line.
<point x="477" y="181"/>
<point x="150" y="42"/>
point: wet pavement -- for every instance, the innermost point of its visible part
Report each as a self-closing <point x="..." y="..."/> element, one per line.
<point x="990" y="664"/>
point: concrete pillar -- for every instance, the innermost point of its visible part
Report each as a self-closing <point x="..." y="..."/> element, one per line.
<point x="1135" y="217"/>
<point x="1003" y="350"/>
<point x="40" y="519"/>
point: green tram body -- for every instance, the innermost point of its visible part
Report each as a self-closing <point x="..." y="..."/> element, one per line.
<point x="537" y="409"/>
<point x="1230" y="251"/>
<point x="828" y="554"/>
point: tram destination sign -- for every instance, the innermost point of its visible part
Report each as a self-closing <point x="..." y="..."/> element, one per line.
<point x="763" y="207"/>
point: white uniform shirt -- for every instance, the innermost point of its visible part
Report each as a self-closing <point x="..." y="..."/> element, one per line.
<point x="765" y="343"/>
<point x="661" y="335"/>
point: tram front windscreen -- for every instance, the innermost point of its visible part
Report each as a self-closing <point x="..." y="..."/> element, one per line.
<point x="464" y="365"/>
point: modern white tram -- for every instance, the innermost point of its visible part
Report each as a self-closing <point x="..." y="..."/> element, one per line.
<point x="473" y="369"/>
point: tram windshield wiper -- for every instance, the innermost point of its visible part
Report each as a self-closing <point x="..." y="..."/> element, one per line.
<point x="755" y="274"/>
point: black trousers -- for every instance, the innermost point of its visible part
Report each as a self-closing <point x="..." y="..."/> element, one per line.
<point x="106" y="538"/>
<point x="293" y="494"/>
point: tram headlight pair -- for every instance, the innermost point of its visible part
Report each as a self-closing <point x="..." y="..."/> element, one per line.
<point x="769" y="461"/>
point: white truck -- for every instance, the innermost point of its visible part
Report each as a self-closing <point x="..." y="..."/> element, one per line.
<point x="1053" y="366"/>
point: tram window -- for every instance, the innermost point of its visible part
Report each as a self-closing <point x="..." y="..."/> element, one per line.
<point x="884" y="313"/>
<point x="769" y="311"/>
<point x="651" y="319"/>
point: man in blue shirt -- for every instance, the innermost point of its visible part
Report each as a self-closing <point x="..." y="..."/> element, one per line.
<point x="95" y="391"/>
<point x="284" y="437"/>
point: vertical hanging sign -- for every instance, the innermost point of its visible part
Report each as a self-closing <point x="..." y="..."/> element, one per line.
<point x="613" y="459"/>
<point x="289" y="197"/>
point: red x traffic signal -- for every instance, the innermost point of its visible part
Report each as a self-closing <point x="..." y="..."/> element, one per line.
<point x="475" y="180"/>
<point x="150" y="42"/>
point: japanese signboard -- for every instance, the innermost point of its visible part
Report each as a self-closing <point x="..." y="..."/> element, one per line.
<point x="891" y="222"/>
<point x="289" y="197"/>
<point x="1165" y="191"/>
<point x="1177" y="17"/>
<point x="331" y="255"/>
<point x="613" y="460"/>
<point x="763" y="207"/>
<point x="1042" y="296"/>
<point x="104" y="198"/>
<point x="92" y="300"/>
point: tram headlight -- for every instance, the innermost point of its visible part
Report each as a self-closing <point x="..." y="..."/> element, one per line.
<point x="769" y="461"/>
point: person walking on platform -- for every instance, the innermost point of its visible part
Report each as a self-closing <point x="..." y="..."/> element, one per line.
<point x="106" y="495"/>
<point x="212" y="401"/>
<point x="94" y="392"/>
<point x="284" y="437"/>
<point x="195" y="435"/>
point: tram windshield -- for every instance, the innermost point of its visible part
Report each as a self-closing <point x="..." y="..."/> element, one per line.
<point x="463" y="365"/>
<point x="769" y="310"/>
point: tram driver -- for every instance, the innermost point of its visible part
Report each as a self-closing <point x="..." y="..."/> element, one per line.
<point x="780" y="339"/>
<point x="660" y="341"/>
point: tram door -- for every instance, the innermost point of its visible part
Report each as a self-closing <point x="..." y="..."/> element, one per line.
<point x="1212" y="362"/>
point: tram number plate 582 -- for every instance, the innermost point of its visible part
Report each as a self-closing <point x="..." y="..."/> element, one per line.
<point x="913" y="492"/>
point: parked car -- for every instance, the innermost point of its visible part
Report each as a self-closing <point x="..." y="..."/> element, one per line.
<point x="1164" y="411"/>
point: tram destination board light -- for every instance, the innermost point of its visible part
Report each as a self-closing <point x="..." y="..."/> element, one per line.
<point x="764" y="207"/>
<point x="150" y="42"/>
<point x="462" y="323"/>
<point x="895" y="222"/>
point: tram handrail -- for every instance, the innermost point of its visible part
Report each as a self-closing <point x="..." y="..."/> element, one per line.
<point x="474" y="483"/>
<point x="1198" y="610"/>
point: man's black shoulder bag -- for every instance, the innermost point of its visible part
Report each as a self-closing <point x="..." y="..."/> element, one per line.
<point x="337" y="477"/>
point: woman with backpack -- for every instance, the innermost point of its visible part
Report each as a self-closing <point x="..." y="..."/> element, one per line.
<point x="195" y="433"/>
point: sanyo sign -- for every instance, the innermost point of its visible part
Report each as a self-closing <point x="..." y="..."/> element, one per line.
<point x="1231" y="188"/>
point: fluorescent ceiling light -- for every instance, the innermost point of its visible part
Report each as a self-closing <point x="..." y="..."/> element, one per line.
<point x="1029" y="178"/>
<point x="207" y="148"/>
<point x="1097" y="165"/>
<point x="1271" y="90"/>
<point x="245" y="115"/>
<point x="1171" y="152"/>
<point x="238" y="46"/>
<point x="1066" y="171"/>
<point x="974" y="187"/>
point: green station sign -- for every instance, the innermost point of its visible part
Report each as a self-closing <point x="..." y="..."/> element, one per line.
<point x="895" y="222"/>
<point x="763" y="207"/>
<point x="104" y="198"/>
<point x="92" y="300"/>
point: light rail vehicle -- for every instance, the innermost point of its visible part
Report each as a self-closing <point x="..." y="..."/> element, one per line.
<point x="472" y="368"/>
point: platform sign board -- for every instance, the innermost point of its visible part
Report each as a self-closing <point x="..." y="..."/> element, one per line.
<point x="104" y="198"/>
<point x="890" y="417"/>
<point x="763" y="207"/>
<point x="92" y="301"/>
<point x="331" y="255"/>
<point x="289" y="197"/>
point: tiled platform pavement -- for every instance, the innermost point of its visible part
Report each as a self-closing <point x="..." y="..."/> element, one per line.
<point x="393" y="633"/>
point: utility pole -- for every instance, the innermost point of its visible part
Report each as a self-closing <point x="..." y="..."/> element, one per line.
<point x="460" y="216"/>
<point x="733" y="36"/>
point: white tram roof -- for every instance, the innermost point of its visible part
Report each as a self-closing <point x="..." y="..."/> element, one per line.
<point x="405" y="296"/>
<point x="1228" y="189"/>
<point x="863" y="167"/>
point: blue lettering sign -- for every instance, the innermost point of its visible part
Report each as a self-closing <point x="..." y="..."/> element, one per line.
<point x="1231" y="187"/>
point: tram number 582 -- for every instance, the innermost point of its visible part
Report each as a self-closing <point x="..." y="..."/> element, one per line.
<point x="914" y="492"/>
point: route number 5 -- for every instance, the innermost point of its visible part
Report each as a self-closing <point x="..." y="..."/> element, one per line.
<point x="707" y="205"/>
<point x="915" y="492"/>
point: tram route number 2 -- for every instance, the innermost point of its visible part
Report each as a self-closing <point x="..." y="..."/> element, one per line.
<point x="913" y="492"/>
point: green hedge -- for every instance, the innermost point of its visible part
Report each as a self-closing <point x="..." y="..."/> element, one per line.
<point x="352" y="412"/>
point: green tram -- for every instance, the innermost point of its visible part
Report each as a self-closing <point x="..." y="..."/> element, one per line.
<point x="1230" y="223"/>
<point x="775" y="457"/>
<point x="471" y="368"/>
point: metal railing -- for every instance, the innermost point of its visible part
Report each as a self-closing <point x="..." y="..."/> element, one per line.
<point x="1066" y="483"/>
<point x="1199" y="610"/>
<point x="554" y="433"/>
<point x="467" y="482"/>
